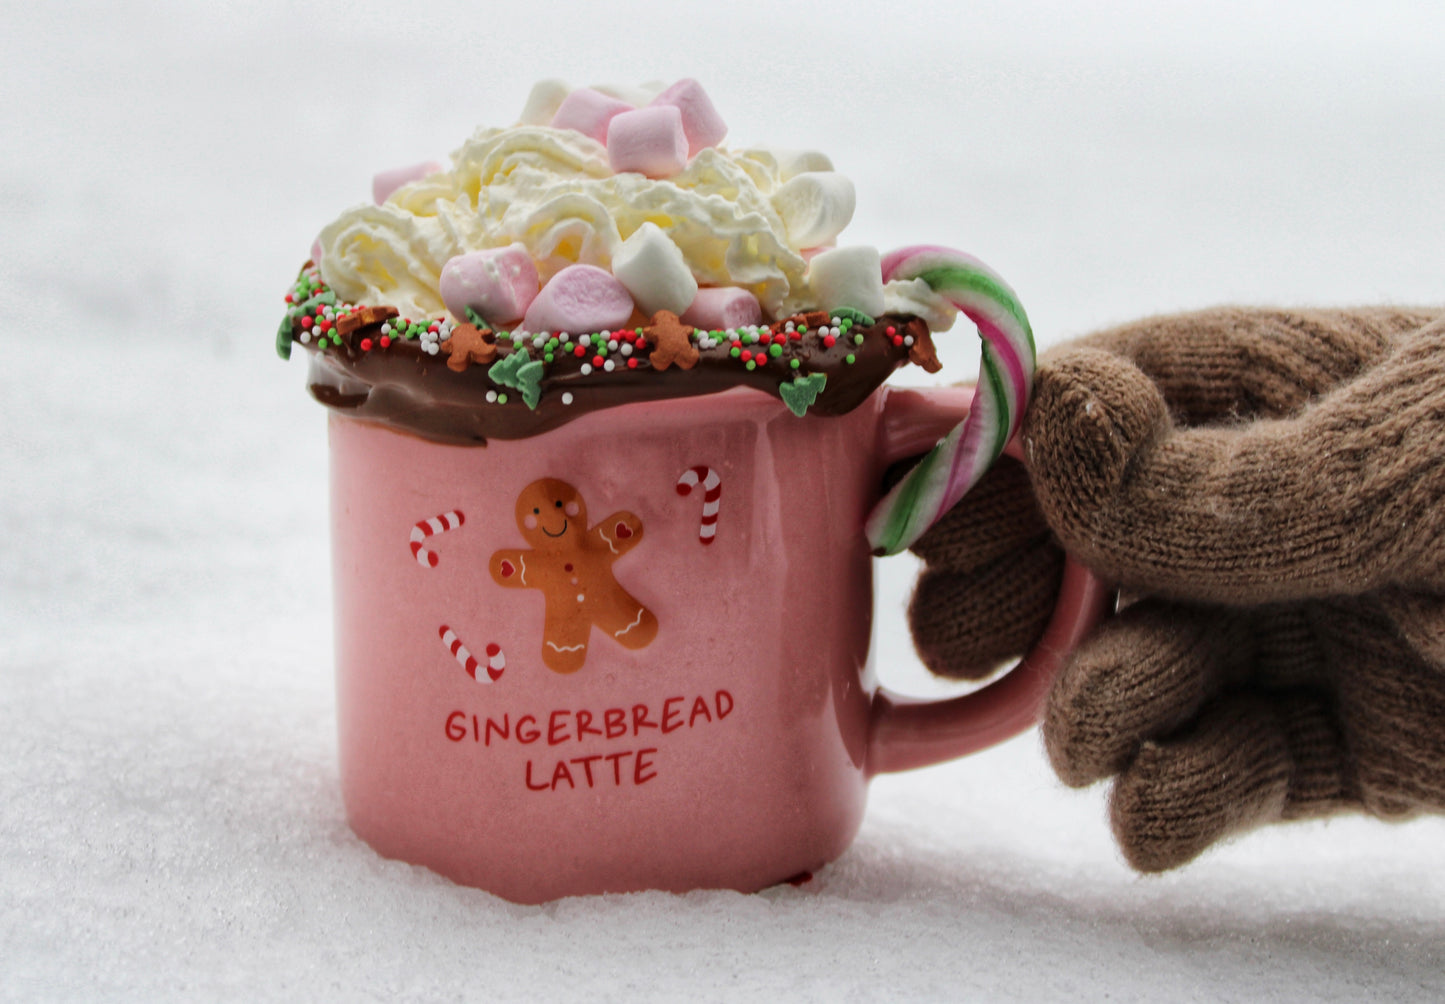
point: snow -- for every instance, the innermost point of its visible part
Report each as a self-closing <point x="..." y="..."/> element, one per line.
<point x="170" y="823"/>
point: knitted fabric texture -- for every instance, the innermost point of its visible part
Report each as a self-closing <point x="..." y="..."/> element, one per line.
<point x="1268" y="489"/>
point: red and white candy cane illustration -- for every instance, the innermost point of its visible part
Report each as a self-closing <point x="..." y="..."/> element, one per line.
<point x="712" y="489"/>
<point x="429" y="527"/>
<point x="496" y="660"/>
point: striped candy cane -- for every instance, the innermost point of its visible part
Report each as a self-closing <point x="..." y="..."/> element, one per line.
<point x="712" y="490"/>
<point x="496" y="660"/>
<point x="1005" y="381"/>
<point x="429" y="527"/>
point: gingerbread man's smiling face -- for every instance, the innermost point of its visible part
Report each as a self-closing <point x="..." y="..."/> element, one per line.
<point x="551" y="514"/>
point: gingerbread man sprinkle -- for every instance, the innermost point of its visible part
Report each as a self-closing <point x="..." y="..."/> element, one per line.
<point x="572" y="565"/>
<point x="670" y="336"/>
<point x="470" y="344"/>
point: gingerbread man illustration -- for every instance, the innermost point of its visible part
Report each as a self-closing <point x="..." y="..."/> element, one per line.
<point x="571" y="564"/>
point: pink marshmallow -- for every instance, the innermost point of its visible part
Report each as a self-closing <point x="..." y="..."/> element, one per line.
<point x="700" y="121"/>
<point x="580" y="299"/>
<point x="389" y="181"/>
<point x="720" y="308"/>
<point x="498" y="283"/>
<point x="649" y="141"/>
<point x="588" y="112"/>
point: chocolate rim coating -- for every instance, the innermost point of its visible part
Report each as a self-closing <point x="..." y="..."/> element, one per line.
<point x="404" y="387"/>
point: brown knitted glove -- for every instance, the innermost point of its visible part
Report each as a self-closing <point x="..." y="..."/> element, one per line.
<point x="1268" y="488"/>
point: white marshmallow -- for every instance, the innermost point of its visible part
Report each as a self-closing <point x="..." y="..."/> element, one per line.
<point x="848" y="277"/>
<point x="639" y="96"/>
<point x="654" y="271"/>
<point x="815" y="207"/>
<point x="542" y="104"/>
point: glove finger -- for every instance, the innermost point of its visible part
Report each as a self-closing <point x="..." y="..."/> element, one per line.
<point x="1222" y="364"/>
<point x="1250" y="759"/>
<point x="997" y="518"/>
<point x="1142" y="675"/>
<point x="966" y="624"/>
<point x="1391" y="694"/>
<point x="1345" y="498"/>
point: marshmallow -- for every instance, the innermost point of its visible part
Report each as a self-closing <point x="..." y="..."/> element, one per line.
<point x="652" y="268"/>
<point x="542" y="104"/>
<point x="720" y="308"/>
<point x="389" y="181"/>
<point x="649" y="141"/>
<point x="848" y="277"/>
<point x="580" y="299"/>
<point x="815" y="207"/>
<point x="498" y="283"/>
<point x="700" y="121"/>
<point x="637" y="96"/>
<point x="588" y="112"/>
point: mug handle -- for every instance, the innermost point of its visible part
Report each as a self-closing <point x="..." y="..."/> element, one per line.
<point x="904" y="732"/>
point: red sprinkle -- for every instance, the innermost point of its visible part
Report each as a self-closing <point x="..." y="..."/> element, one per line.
<point x="306" y="321"/>
<point x="747" y="354"/>
<point x="897" y="340"/>
<point x="892" y="330"/>
<point x="797" y="335"/>
<point x="597" y="361"/>
<point x="579" y="351"/>
<point x="366" y="345"/>
<point x="290" y="298"/>
<point x="325" y="324"/>
<point x="632" y="363"/>
<point x="829" y="341"/>
<point x="386" y="341"/>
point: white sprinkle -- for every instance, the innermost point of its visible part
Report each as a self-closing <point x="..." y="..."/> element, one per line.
<point x="432" y="348"/>
<point x="538" y="342"/>
<point x="585" y="340"/>
<point x="491" y="397"/>
<point x="586" y="368"/>
<point x="837" y="320"/>
<point x="305" y="338"/>
<point x="609" y="366"/>
<point x="564" y="338"/>
<point x="567" y="397"/>
<point x="626" y="349"/>
<point x="612" y="345"/>
<point x="908" y="340"/>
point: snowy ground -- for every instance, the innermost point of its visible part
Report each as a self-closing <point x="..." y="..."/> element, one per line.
<point x="170" y="825"/>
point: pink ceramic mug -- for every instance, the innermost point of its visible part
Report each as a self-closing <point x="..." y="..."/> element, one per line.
<point x="633" y="652"/>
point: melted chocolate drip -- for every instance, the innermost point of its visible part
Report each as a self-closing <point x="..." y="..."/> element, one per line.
<point x="405" y="388"/>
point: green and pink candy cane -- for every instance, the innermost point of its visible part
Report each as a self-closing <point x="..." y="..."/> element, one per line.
<point x="1005" y="381"/>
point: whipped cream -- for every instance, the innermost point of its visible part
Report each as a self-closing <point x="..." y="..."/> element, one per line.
<point x="733" y="215"/>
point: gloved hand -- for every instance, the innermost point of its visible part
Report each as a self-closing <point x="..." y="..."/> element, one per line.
<point x="1267" y="488"/>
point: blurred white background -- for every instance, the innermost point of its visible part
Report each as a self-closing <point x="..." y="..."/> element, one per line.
<point x="169" y="820"/>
